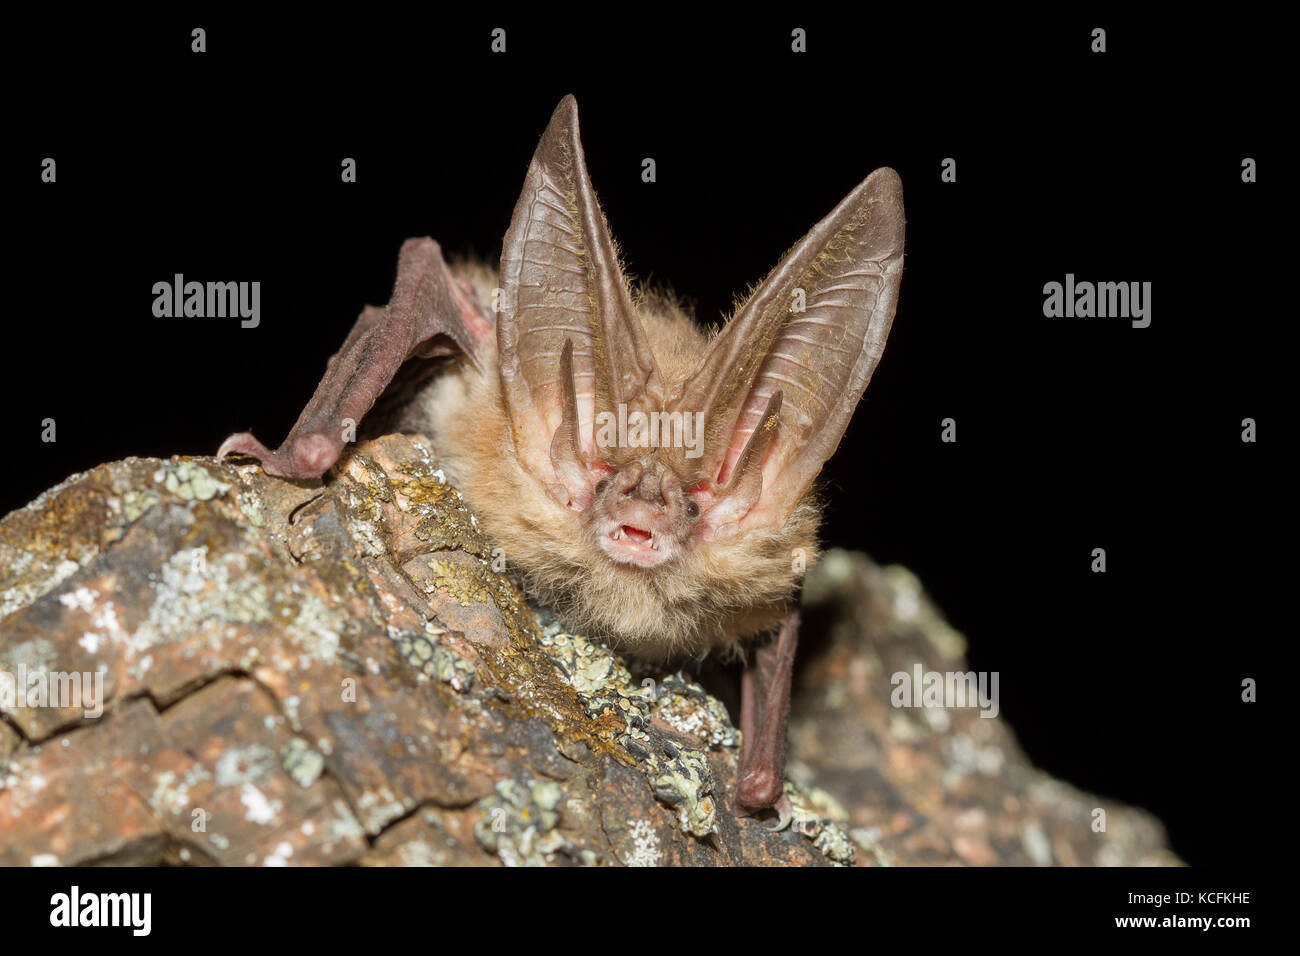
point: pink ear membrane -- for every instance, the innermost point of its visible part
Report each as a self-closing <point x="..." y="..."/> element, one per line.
<point x="577" y="501"/>
<point x="745" y="484"/>
<point x="566" y="455"/>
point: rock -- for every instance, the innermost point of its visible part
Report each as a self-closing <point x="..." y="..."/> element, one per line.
<point x="930" y="785"/>
<point x="254" y="670"/>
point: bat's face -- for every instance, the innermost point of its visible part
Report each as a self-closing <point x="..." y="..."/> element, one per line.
<point x="640" y="515"/>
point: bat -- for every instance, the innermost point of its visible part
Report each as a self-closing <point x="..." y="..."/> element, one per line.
<point x="649" y="482"/>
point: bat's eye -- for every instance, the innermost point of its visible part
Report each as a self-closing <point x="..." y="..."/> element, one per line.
<point x="692" y="509"/>
<point x="602" y="485"/>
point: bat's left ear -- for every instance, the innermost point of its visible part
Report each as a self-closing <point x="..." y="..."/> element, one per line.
<point x="780" y="382"/>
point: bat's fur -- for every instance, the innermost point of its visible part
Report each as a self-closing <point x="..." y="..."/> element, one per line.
<point x="709" y="599"/>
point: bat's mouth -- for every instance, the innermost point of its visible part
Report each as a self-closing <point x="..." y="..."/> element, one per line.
<point x="635" y="534"/>
<point x="629" y="544"/>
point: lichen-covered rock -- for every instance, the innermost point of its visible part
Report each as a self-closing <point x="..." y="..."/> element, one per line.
<point x="203" y="664"/>
<point x="930" y="785"/>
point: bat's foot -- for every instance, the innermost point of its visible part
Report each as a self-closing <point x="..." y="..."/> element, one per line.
<point x="306" y="456"/>
<point x="757" y="800"/>
<point x="760" y="787"/>
<point x="764" y="710"/>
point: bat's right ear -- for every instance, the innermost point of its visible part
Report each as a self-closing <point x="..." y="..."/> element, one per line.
<point x="567" y="334"/>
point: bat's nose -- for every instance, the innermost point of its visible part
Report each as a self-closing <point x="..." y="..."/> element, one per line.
<point x="650" y="488"/>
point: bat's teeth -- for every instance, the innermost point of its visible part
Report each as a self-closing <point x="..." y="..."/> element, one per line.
<point x="654" y="545"/>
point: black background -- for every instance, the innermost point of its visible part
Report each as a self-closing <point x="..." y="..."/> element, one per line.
<point x="1072" y="434"/>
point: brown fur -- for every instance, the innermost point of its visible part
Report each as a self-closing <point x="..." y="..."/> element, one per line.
<point x="710" y="598"/>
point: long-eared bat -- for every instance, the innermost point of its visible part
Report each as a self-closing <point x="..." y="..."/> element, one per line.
<point x="649" y="482"/>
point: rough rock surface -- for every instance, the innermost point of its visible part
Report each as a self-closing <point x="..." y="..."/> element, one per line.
<point x="298" y="673"/>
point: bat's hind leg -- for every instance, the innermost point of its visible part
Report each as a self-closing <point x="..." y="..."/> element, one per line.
<point x="430" y="313"/>
<point x="764" y="712"/>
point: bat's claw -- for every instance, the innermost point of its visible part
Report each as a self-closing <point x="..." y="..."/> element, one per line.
<point x="243" y="443"/>
<point x="784" y="812"/>
<point x="308" y="456"/>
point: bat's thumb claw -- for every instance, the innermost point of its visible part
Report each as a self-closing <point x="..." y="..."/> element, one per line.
<point x="243" y="443"/>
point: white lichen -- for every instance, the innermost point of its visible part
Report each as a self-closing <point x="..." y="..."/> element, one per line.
<point x="645" y="845"/>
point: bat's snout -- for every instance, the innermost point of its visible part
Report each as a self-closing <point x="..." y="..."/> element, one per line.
<point x="641" y="517"/>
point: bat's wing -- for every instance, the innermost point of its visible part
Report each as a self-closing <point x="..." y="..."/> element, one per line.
<point x="780" y="382"/>
<point x="430" y="314"/>
<point x="568" y="337"/>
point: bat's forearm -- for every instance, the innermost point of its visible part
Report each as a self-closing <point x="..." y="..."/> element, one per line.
<point x="430" y="313"/>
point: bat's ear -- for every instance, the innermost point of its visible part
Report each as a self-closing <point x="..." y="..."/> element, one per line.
<point x="780" y="382"/>
<point x="567" y="331"/>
